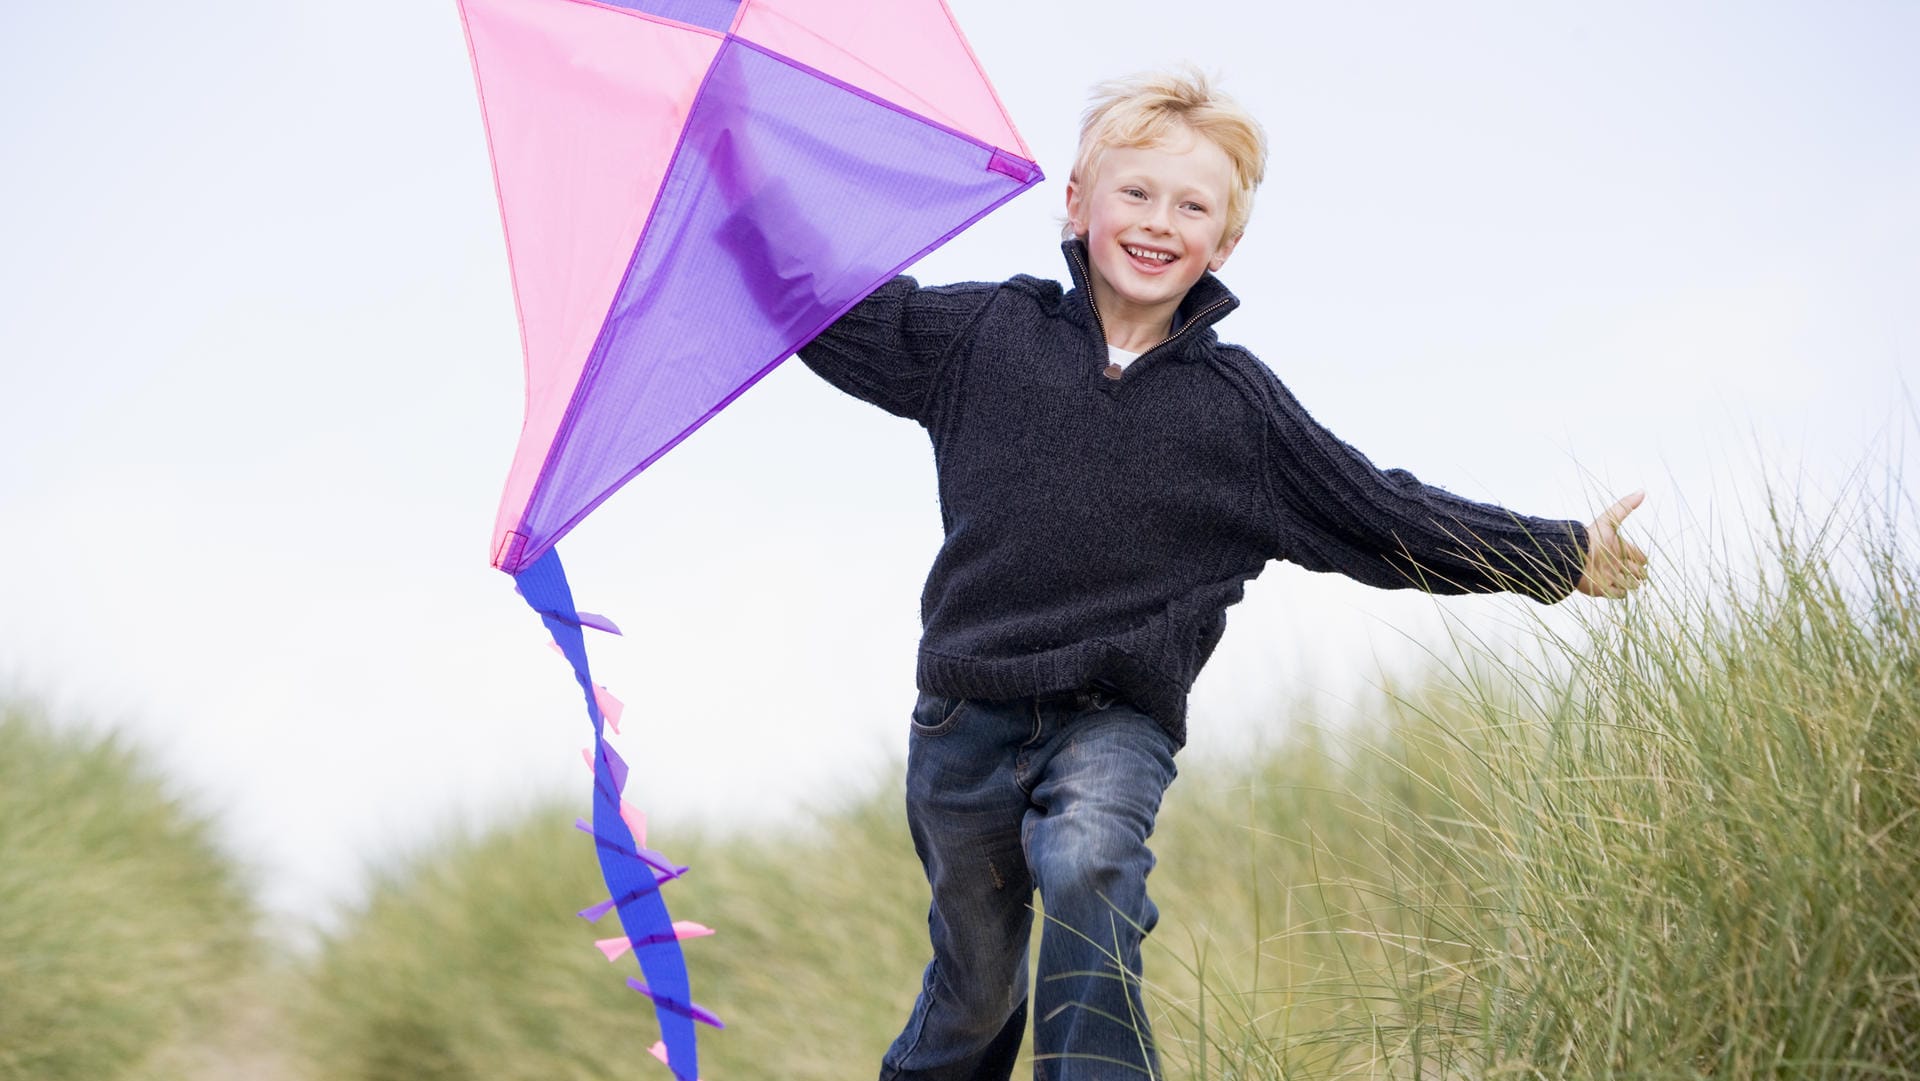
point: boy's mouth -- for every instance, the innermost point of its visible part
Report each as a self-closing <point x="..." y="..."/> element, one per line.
<point x="1151" y="258"/>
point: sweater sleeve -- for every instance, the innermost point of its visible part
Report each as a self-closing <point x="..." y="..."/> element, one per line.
<point x="1339" y="512"/>
<point x="888" y="348"/>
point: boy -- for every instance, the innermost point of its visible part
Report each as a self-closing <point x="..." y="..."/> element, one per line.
<point x="1111" y="475"/>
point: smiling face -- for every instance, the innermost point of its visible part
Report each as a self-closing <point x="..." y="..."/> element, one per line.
<point x="1154" y="219"/>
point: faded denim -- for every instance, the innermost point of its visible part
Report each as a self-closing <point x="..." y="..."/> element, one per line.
<point x="1056" y="794"/>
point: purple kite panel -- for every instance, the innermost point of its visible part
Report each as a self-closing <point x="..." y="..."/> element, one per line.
<point x="711" y="14"/>
<point x="791" y="198"/>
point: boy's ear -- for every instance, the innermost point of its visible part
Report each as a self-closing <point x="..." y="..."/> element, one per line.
<point x="1220" y="255"/>
<point x="1075" y="220"/>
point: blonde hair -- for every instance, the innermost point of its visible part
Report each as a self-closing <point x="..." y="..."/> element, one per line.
<point x="1146" y="109"/>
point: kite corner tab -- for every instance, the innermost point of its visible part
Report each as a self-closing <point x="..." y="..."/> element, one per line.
<point x="1018" y="168"/>
<point x="509" y="552"/>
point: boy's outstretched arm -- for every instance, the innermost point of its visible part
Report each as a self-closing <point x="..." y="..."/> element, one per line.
<point x="1338" y="512"/>
<point x="1614" y="566"/>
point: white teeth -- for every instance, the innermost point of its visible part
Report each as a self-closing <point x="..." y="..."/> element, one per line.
<point x="1157" y="256"/>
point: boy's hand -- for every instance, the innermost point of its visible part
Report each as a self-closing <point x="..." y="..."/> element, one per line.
<point x="1614" y="566"/>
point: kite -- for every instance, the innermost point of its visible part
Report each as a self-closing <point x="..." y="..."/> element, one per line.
<point x="690" y="191"/>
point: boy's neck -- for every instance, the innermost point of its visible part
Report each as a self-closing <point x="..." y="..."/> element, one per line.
<point x="1128" y="327"/>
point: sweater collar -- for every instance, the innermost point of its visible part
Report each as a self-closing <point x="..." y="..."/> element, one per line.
<point x="1205" y="304"/>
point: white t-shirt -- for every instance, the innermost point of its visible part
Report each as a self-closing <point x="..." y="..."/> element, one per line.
<point x="1121" y="357"/>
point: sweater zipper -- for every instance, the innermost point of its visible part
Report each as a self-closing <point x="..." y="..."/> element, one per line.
<point x="1191" y="323"/>
<point x="1091" y="306"/>
<point x="1102" y="326"/>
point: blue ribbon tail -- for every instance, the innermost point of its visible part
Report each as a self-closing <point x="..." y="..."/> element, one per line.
<point x="630" y="880"/>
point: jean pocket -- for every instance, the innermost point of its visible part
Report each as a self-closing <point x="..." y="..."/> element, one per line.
<point x="936" y="714"/>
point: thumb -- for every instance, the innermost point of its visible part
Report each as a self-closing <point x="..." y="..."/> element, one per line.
<point x="1624" y="506"/>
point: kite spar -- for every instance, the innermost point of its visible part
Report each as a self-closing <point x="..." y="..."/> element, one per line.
<point x="634" y="145"/>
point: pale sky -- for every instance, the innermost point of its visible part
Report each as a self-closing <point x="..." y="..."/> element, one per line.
<point x="262" y="378"/>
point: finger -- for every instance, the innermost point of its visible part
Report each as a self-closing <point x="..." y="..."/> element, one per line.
<point x="1622" y="507"/>
<point x="1620" y="555"/>
<point x="1618" y="579"/>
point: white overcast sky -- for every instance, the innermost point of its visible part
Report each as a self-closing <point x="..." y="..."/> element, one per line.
<point x="260" y="377"/>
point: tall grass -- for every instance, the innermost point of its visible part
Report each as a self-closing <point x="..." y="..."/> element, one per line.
<point x="122" y="926"/>
<point x="1689" y="851"/>
<point x="1707" y="862"/>
<point x="466" y="962"/>
<point x="1681" y="845"/>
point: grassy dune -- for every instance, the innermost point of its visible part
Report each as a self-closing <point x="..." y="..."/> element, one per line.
<point x="467" y="964"/>
<point x="1686" y="846"/>
<point x="123" y="930"/>
<point x="1684" y="843"/>
<point x="1691" y="852"/>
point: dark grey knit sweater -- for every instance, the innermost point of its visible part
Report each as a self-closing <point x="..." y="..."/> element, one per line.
<point x="1098" y="529"/>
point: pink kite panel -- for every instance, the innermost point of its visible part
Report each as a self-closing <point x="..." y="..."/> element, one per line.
<point x="581" y="137"/>
<point x="909" y="52"/>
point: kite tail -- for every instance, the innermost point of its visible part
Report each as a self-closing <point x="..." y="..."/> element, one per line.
<point x="633" y="873"/>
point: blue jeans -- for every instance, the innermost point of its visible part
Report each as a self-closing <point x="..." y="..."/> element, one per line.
<point x="1057" y="794"/>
